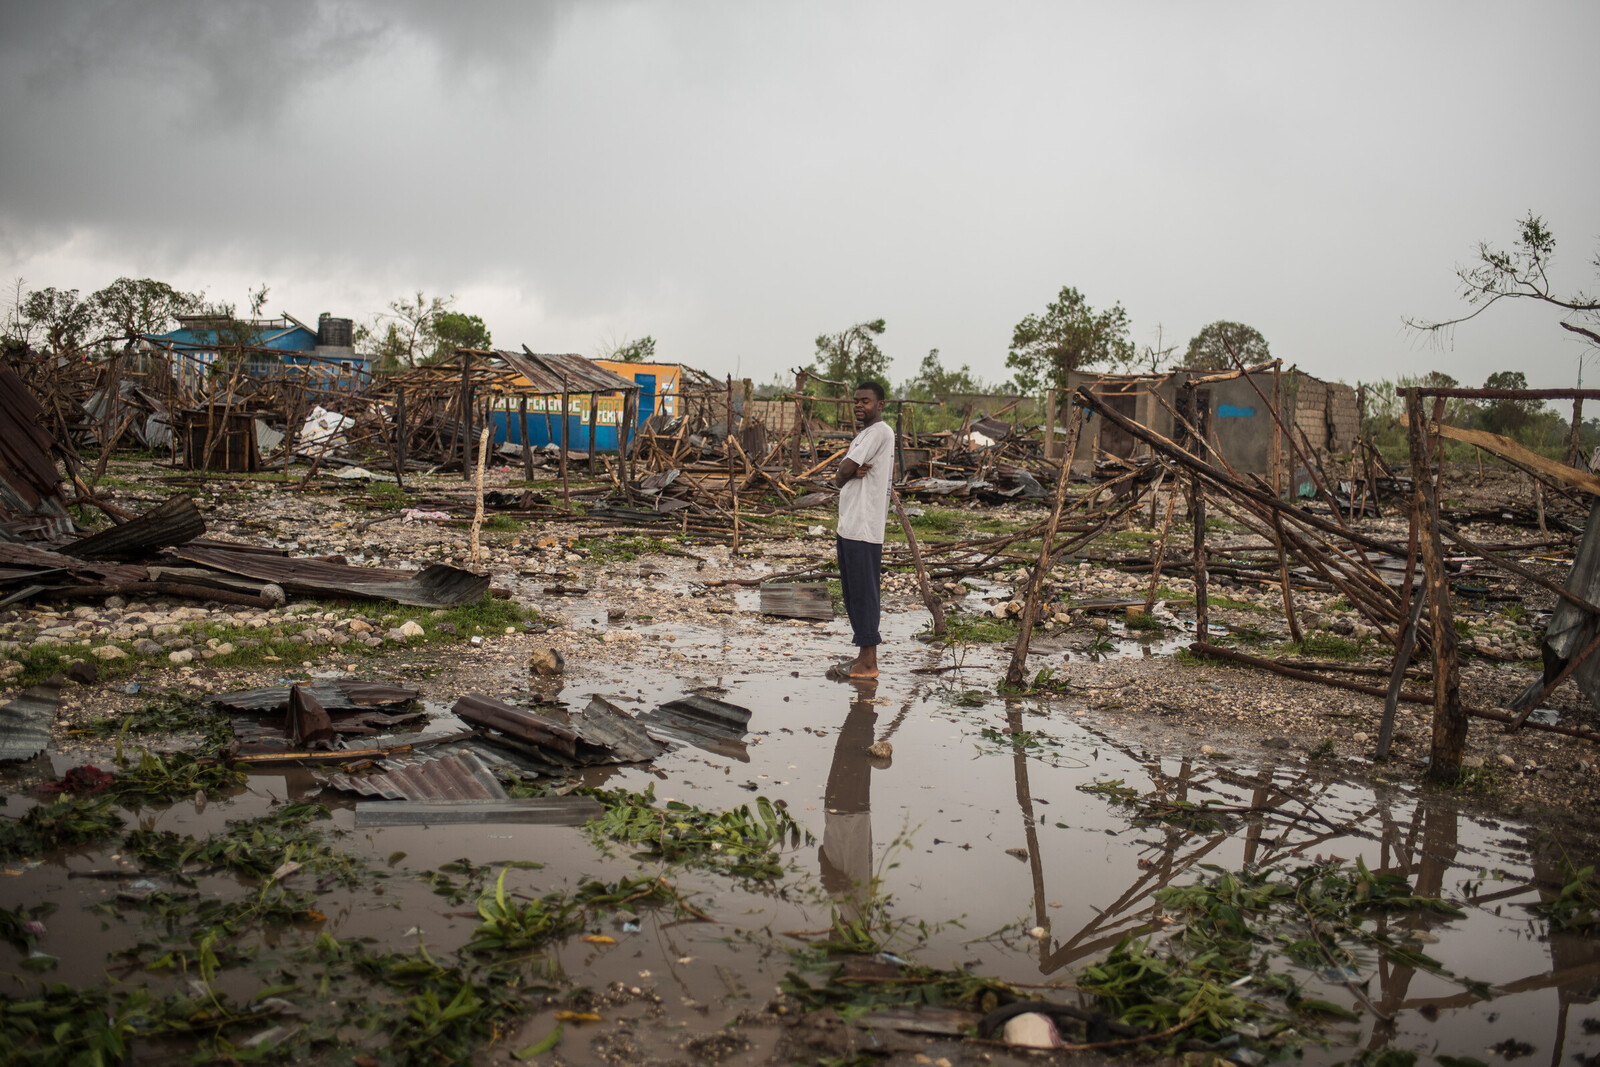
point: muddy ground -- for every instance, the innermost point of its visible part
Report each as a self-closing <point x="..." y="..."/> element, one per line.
<point x="989" y="835"/>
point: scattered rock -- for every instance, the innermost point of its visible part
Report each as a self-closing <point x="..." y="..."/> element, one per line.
<point x="183" y="655"/>
<point x="107" y="652"/>
<point x="410" y="628"/>
<point x="547" y="662"/>
<point x="83" y="673"/>
<point x="881" y="750"/>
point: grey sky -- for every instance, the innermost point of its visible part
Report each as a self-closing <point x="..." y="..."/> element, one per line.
<point x="734" y="178"/>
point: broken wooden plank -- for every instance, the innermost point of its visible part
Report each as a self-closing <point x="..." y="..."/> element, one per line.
<point x="797" y="600"/>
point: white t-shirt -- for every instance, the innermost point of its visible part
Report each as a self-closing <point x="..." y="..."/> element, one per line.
<point x="864" y="502"/>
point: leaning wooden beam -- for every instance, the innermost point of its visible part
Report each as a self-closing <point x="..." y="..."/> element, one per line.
<point x="1506" y="448"/>
<point x="1516" y="568"/>
<point x="924" y="587"/>
<point x="1495" y="715"/>
<point x="1016" y="674"/>
<point x="1566" y="672"/>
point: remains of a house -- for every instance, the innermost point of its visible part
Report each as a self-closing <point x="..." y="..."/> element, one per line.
<point x="1193" y="624"/>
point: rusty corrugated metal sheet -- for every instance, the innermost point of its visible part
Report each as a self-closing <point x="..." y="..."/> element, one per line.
<point x="28" y="563"/>
<point x="437" y="586"/>
<point x="455" y="776"/>
<point x="548" y="371"/>
<point x="174" y="521"/>
<point x="29" y="481"/>
<point x="339" y="694"/>
<point x="606" y="727"/>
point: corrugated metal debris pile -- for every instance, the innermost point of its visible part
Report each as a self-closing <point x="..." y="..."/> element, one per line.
<point x="456" y="768"/>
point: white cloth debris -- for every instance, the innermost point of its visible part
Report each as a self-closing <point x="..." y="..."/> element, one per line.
<point x="323" y="431"/>
<point x="410" y="515"/>
<point x="978" y="440"/>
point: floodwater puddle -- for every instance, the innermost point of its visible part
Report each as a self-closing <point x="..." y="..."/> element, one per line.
<point x="1018" y="839"/>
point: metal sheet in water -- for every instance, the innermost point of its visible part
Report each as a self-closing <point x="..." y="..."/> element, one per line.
<point x="25" y="722"/>
<point x="453" y="776"/>
<point x="614" y="732"/>
<point x="548" y="811"/>
<point x="797" y="600"/>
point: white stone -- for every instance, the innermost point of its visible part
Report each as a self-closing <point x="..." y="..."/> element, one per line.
<point x="409" y="628"/>
<point x="183" y="655"/>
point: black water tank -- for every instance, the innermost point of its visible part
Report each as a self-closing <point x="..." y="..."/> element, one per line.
<point x="335" y="333"/>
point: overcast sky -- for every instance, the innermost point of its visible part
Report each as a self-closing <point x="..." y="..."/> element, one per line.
<point x="734" y="178"/>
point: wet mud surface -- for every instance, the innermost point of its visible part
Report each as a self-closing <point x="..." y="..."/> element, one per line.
<point x="961" y="817"/>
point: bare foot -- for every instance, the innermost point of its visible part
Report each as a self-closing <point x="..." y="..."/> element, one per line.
<point x="863" y="672"/>
<point x="865" y="664"/>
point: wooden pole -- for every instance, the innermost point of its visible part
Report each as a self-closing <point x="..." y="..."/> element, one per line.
<point x="527" y="444"/>
<point x="1050" y="423"/>
<point x="477" y="513"/>
<point x="1402" y="660"/>
<point x="1160" y="555"/>
<point x="466" y="417"/>
<point x="566" y="496"/>
<point x="899" y="441"/>
<point x="1017" y="673"/>
<point x="799" y="420"/>
<point x="924" y="586"/>
<point x="1449" y="722"/>
<point x="400" y="438"/>
<point x="733" y="483"/>
<point x="624" y="425"/>
<point x="594" y="431"/>
<point x="1197" y="511"/>
<point x="1283" y="580"/>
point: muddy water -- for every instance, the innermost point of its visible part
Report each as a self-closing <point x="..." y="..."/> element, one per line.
<point x="974" y="825"/>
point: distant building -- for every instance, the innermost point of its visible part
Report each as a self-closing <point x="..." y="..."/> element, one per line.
<point x="1235" y="415"/>
<point x="281" y="347"/>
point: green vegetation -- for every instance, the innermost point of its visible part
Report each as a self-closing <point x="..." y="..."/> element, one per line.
<point x="172" y="714"/>
<point x="1323" y="645"/>
<point x="66" y="823"/>
<point x="744" y="843"/>
<point x="621" y="549"/>
<point x="1247" y="944"/>
<point x="1575" y="907"/>
<point x="977" y="630"/>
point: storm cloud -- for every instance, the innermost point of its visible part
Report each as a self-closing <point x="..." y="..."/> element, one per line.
<point x="736" y="178"/>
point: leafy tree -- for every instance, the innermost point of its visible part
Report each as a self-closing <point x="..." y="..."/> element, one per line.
<point x="452" y="330"/>
<point x="1208" y="349"/>
<point x="1520" y="274"/>
<point x="1508" y="416"/>
<point x="933" y="382"/>
<point x="414" y="320"/>
<point x="1069" y="336"/>
<point x="132" y="307"/>
<point x="851" y="355"/>
<point x="60" y="315"/>
<point x="641" y="351"/>
<point x="380" y="342"/>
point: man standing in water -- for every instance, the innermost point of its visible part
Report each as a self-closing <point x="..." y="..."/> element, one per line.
<point x="863" y="482"/>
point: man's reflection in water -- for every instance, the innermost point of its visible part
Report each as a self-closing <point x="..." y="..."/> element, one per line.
<point x="846" y="852"/>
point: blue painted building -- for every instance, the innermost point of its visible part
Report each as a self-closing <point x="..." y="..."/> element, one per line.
<point x="274" y="347"/>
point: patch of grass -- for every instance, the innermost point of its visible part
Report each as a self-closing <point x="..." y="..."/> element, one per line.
<point x="613" y="549"/>
<point x="503" y="524"/>
<point x="1228" y="602"/>
<point x="1478" y="781"/>
<point x="977" y="630"/>
<point x="390" y="495"/>
<point x="1184" y="658"/>
<point x="1144" y="622"/>
<point x="1322" y="749"/>
<point x="1321" y="644"/>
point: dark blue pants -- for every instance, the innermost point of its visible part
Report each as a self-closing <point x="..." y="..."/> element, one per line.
<point x="860" y="564"/>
